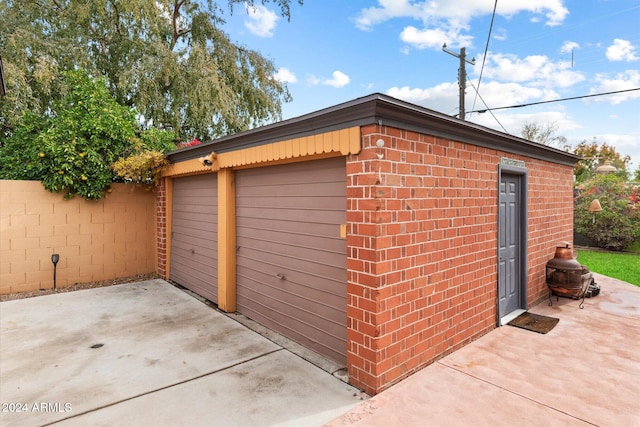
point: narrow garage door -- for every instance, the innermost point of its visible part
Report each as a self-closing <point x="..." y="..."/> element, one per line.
<point x="194" y="234"/>
<point x="291" y="260"/>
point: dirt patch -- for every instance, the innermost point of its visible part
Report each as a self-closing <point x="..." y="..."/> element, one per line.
<point x="80" y="286"/>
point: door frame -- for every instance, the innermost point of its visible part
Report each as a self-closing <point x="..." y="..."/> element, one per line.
<point x="522" y="174"/>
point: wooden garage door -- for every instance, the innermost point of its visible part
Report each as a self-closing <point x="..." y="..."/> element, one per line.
<point x="194" y="234"/>
<point x="291" y="260"/>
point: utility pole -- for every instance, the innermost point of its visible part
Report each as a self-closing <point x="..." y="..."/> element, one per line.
<point x="462" y="74"/>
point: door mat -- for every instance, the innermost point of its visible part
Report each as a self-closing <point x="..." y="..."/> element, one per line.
<point x="534" y="322"/>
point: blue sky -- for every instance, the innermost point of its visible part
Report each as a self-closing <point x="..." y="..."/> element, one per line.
<point x="334" y="51"/>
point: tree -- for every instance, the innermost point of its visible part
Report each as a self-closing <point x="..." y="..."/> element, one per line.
<point x="167" y="58"/>
<point x="544" y="134"/>
<point x="72" y="148"/>
<point x="595" y="155"/>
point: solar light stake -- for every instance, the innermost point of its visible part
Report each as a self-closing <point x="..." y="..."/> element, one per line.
<point x="54" y="259"/>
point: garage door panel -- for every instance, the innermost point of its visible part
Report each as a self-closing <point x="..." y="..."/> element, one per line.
<point x="318" y="288"/>
<point x="321" y="171"/>
<point x="314" y="339"/>
<point x="197" y="278"/>
<point x="324" y="337"/>
<point x="306" y="216"/>
<point x="275" y="264"/>
<point x="194" y="234"/>
<point x="251" y="226"/>
<point x="314" y="301"/>
<point x="289" y="190"/>
<point x="202" y="257"/>
<point x="197" y="214"/>
<point x="298" y="246"/>
<point x="290" y="314"/>
<point x="288" y="224"/>
<point x="328" y="201"/>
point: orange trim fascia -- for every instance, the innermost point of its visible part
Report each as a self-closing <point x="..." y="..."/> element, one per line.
<point x="329" y="144"/>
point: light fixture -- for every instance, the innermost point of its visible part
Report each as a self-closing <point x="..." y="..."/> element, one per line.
<point x="607" y="167"/>
<point x="208" y="159"/>
<point x="595" y="206"/>
<point x="380" y="144"/>
<point x="54" y="259"/>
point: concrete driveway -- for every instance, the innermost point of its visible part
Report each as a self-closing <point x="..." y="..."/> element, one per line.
<point x="149" y="354"/>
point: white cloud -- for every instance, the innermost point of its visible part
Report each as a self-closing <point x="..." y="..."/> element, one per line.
<point x="500" y="34"/>
<point x="454" y="16"/>
<point x="538" y="70"/>
<point x="313" y="80"/>
<point x="339" y="79"/>
<point x="497" y="94"/>
<point x="285" y="75"/>
<point x="444" y="97"/>
<point x="433" y="38"/>
<point x="630" y="79"/>
<point x="569" y="46"/>
<point x="440" y="98"/>
<point x="621" y="50"/>
<point x="389" y="9"/>
<point x="261" y="21"/>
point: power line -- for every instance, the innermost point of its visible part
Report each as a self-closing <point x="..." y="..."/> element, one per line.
<point x="490" y="112"/>
<point x="555" y="100"/>
<point x="484" y="57"/>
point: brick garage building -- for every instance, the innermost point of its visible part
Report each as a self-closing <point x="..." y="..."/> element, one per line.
<point x="378" y="233"/>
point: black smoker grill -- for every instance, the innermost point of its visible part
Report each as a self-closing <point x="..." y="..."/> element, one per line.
<point x="566" y="277"/>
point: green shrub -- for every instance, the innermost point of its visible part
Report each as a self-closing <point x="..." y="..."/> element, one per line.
<point x="72" y="149"/>
<point x="618" y="224"/>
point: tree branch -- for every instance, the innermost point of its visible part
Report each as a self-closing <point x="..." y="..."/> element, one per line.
<point x="117" y="13"/>
<point x="176" y="15"/>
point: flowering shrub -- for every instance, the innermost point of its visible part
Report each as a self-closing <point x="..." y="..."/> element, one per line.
<point x="618" y="224"/>
<point x="142" y="168"/>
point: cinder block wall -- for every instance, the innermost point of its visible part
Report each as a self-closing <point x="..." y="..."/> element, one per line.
<point x="422" y="248"/>
<point x="96" y="240"/>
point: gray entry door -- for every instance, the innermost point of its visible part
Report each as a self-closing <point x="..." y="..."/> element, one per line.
<point x="509" y="286"/>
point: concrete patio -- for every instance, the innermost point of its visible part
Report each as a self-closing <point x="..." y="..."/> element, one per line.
<point x="586" y="371"/>
<point x="150" y="354"/>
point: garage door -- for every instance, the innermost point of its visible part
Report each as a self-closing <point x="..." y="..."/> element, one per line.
<point x="291" y="260"/>
<point x="194" y="234"/>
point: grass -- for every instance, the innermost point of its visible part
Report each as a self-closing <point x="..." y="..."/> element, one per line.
<point x="623" y="266"/>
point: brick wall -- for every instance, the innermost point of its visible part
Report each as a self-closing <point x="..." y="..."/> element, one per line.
<point x="422" y="248"/>
<point x="96" y="240"/>
<point x="550" y="220"/>
<point x="161" y="227"/>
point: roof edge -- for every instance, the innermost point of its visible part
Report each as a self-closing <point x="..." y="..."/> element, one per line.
<point x="382" y="109"/>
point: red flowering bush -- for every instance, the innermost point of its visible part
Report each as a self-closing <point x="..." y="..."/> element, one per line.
<point x="191" y="143"/>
